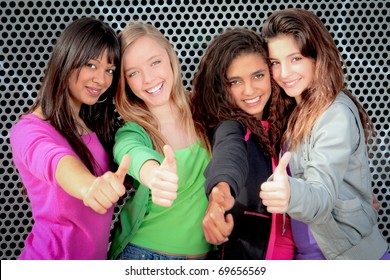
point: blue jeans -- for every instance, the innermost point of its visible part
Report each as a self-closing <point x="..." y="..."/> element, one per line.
<point x="134" y="252"/>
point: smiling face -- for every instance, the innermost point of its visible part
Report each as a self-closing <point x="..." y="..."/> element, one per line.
<point x="93" y="80"/>
<point x="250" y="83"/>
<point x="148" y="71"/>
<point x="290" y="69"/>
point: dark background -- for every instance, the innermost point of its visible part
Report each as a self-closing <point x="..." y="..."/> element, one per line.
<point x="29" y="29"/>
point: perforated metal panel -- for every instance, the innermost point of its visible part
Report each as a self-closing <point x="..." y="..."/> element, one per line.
<point x="30" y="28"/>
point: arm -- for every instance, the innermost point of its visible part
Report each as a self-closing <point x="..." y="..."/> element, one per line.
<point x="311" y="197"/>
<point x="226" y="171"/>
<point x="229" y="162"/>
<point x="162" y="178"/>
<point x="41" y="152"/>
<point x="99" y="193"/>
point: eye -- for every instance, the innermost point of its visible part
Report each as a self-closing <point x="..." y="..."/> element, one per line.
<point x="156" y="62"/>
<point x="274" y="62"/>
<point x="296" y="58"/>
<point x="111" y="71"/>
<point x="259" y="76"/>
<point x="91" y="65"/>
<point x="233" y="82"/>
<point x="133" y="74"/>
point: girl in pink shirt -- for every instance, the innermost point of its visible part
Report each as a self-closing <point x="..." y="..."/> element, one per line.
<point x="62" y="147"/>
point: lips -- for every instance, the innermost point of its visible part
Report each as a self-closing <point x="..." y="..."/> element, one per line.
<point x="291" y="83"/>
<point x="155" y="89"/>
<point x="94" y="92"/>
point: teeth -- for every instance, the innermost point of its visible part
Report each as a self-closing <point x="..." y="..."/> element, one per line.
<point x="156" y="88"/>
<point x="254" y="100"/>
<point x="291" y="83"/>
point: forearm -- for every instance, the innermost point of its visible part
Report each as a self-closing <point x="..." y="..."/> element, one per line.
<point x="73" y="176"/>
<point x="229" y="162"/>
<point x="146" y="171"/>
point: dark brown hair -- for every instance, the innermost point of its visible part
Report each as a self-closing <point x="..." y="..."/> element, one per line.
<point x="83" y="40"/>
<point x="211" y="99"/>
<point x="314" y="41"/>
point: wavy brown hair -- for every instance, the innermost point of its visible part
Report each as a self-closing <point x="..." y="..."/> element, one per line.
<point x="314" y="41"/>
<point x="211" y="99"/>
<point x="83" y="40"/>
<point x="131" y="108"/>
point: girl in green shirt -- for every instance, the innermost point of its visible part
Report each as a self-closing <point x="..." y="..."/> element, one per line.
<point x="163" y="220"/>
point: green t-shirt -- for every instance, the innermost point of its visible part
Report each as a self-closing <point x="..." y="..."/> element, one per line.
<point x="176" y="229"/>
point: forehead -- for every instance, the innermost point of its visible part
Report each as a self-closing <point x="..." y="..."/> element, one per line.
<point x="246" y="64"/>
<point x="103" y="56"/>
<point x="282" y="44"/>
<point x="143" y="49"/>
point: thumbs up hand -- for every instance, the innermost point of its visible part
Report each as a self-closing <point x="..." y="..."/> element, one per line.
<point x="216" y="226"/>
<point x="276" y="194"/>
<point x="107" y="189"/>
<point x="169" y="162"/>
<point x="164" y="181"/>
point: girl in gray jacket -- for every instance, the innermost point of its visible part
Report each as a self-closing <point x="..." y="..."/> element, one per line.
<point x="329" y="195"/>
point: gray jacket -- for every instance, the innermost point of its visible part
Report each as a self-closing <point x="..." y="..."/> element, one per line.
<point x="331" y="186"/>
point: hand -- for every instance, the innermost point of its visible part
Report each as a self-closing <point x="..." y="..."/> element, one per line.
<point x="276" y="194"/>
<point x="164" y="182"/>
<point x="375" y="203"/>
<point x="107" y="189"/>
<point x="216" y="226"/>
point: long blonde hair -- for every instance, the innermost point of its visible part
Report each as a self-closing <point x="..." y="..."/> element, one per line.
<point x="314" y="41"/>
<point x="133" y="109"/>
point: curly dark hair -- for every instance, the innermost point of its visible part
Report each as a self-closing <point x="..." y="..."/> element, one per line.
<point x="211" y="100"/>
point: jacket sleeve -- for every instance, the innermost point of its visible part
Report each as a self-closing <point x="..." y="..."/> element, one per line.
<point x="319" y="168"/>
<point x="229" y="162"/>
<point x="132" y="139"/>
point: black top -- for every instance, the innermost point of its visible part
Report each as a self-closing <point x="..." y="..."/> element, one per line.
<point x="244" y="166"/>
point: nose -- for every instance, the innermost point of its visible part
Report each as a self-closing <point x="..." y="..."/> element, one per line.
<point x="284" y="70"/>
<point x="99" y="77"/>
<point x="249" y="88"/>
<point x="147" y="75"/>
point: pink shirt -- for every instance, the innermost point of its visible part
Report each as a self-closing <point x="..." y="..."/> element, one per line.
<point x="63" y="227"/>
<point x="281" y="245"/>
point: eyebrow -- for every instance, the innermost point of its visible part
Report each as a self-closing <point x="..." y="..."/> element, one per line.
<point x="260" y="71"/>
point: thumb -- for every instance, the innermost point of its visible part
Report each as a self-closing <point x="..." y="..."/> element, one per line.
<point x="169" y="161"/>
<point x="221" y="195"/>
<point x="123" y="167"/>
<point x="280" y="171"/>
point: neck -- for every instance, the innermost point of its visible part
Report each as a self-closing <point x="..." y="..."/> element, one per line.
<point x="166" y="113"/>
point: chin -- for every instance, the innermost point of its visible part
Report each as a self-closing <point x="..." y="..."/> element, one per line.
<point x="294" y="93"/>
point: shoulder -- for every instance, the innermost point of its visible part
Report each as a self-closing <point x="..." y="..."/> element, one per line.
<point x="344" y="103"/>
<point x="340" y="120"/>
<point x="31" y="125"/>
<point x="231" y="126"/>
<point x="130" y="127"/>
<point x="229" y="131"/>
<point x="342" y="109"/>
<point x="132" y="132"/>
